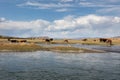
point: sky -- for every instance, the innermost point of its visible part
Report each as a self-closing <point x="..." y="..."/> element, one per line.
<point x="60" y="18"/>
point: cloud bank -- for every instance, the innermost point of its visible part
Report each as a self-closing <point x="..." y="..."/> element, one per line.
<point x="71" y="5"/>
<point x="67" y="27"/>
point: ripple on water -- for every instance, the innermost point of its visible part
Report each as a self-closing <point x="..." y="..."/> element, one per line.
<point x="55" y="66"/>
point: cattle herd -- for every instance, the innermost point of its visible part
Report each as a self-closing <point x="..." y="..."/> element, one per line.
<point x="17" y="41"/>
<point x="48" y="40"/>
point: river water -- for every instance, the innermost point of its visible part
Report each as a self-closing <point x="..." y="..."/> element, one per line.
<point x="46" y="65"/>
<point x="115" y="48"/>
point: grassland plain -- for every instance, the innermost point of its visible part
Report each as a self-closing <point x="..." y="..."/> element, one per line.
<point x="89" y="41"/>
<point x="31" y="45"/>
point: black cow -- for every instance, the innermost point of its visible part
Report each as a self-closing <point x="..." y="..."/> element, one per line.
<point x="12" y="40"/>
<point x="103" y="40"/>
<point x="49" y="40"/>
<point x="16" y="41"/>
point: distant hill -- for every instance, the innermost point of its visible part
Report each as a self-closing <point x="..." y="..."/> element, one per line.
<point x="116" y="37"/>
<point x="6" y="37"/>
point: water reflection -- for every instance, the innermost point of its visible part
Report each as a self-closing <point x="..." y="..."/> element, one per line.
<point x="43" y="65"/>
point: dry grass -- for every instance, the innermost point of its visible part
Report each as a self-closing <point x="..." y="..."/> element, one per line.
<point x="19" y="47"/>
<point x="23" y="47"/>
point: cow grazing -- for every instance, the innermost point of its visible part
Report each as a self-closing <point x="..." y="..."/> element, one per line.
<point x="66" y="41"/>
<point x="23" y="41"/>
<point x="48" y="40"/>
<point x="84" y="39"/>
<point x="16" y="41"/>
<point x="108" y="41"/>
<point x="94" y="40"/>
<point x="51" y="39"/>
<point x="103" y="39"/>
<point x="12" y="40"/>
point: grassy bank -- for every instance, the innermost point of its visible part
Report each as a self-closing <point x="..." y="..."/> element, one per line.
<point x="65" y="49"/>
<point x="23" y="47"/>
<point x="20" y="47"/>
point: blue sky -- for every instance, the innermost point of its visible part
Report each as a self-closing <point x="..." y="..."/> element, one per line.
<point x="60" y="18"/>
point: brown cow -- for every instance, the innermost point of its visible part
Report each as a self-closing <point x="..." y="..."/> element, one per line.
<point x="84" y="39"/>
<point x="66" y="41"/>
<point x="108" y="41"/>
<point x="23" y="41"/>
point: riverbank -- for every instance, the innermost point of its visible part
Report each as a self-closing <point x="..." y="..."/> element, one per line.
<point x="30" y="47"/>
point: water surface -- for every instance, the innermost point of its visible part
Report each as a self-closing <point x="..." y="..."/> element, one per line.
<point x="113" y="48"/>
<point x="43" y="65"/>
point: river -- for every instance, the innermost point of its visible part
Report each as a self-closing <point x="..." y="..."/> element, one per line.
<point x="46" y="65"/>
<point x="114" y="48"/>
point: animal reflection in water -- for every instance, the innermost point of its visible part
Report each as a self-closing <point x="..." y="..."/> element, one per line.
<point x="108" y="41"/>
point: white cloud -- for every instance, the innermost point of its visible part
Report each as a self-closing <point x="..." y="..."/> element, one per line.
<point x="62" y="10"/>
<point x="113" y="1"/>
<point x="23" y="28"/>
<point x="97" y="4"/>
<point x="110" y="11"/>
<point x="24" y="24"/>
<point x="44" y="5"/>
<point x="69" y="26"/>
<point x="100" y="6"/>
<point x="104" y="7"/>
<point x="116" y="20"/>
<point x="66" y="0"/>
<point x="2" y="19"/>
